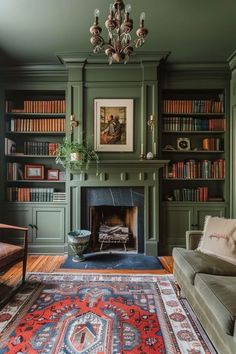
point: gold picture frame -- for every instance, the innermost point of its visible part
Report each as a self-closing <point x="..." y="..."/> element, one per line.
<point x="113" y="125"/>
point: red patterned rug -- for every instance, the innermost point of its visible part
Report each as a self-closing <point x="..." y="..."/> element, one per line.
<point x="100" y="314"/>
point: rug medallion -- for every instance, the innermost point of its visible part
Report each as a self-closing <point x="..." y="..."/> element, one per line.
<point x="100" y="314"/>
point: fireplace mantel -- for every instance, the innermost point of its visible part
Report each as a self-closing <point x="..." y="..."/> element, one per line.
<point x="123" y="173"/>
<point x="119" y="169"/>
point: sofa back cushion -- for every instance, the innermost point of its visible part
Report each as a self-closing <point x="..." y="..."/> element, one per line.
<point x="219" y="238"/>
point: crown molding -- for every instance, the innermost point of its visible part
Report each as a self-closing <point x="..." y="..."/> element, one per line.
<point x="34" y="70"/>
<point x="232" y="61"/>
<point x="79" y="58"/>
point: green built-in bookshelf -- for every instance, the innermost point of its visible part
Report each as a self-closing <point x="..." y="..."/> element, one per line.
<point x="34" y="128"/>
<point x="193" y="134"/>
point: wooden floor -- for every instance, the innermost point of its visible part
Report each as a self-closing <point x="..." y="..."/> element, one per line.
<point x="35" y="263"/>
<point x="43" y="263"/>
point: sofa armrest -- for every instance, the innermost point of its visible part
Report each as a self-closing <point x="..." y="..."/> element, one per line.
<point x="192" y="239"/>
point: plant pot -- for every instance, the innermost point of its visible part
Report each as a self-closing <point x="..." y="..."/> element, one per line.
<point x="75" y="156"/>
<point x="79" y="240"/>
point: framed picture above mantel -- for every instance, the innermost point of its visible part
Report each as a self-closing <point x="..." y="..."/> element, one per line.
<point x="113" y="125"/>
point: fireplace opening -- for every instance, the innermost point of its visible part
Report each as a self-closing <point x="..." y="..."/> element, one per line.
<point x="114" y="228"/>
<point x="115" y="211"/>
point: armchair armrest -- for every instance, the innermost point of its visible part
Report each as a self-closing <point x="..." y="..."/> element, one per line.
<point x="17" y="228"/>
<point x="192" y="239"/>
<point x="12" y="227"/>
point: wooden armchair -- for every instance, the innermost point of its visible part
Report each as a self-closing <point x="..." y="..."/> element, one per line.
<point x="11" y="254"/>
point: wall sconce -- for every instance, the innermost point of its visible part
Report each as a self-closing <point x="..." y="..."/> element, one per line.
<point x="73" y="123"/>
<point x="151" y="122"/>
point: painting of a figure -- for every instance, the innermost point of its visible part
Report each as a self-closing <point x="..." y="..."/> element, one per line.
<point x="113" y="125"/>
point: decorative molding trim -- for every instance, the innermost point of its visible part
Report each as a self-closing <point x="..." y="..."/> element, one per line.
<point x="200" y="67"/>
<point x="75" y="58"/>
<point x="232" y="61"/>
<point x="35" y="70"/>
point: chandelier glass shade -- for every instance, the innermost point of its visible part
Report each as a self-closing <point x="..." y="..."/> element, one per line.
<point x="119" y="45"/>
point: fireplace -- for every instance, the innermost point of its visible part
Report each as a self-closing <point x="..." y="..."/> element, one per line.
<point x="115" y="218"/>
<point x="124" y="184"/>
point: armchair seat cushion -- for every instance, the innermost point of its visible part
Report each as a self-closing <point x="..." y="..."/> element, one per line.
<point x="193" y="262"/>
<point x="219" y="294"/>
<point x="9" y="253"/>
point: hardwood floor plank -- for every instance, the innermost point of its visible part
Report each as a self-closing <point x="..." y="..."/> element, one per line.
<point x="35" y="263"/>
<point x="48" y="264"/>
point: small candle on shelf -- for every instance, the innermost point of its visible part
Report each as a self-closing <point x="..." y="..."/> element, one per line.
<point x="154" y="148"/>
<point x="141" y="149"/>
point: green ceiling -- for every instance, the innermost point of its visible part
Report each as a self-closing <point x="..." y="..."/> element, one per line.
<point x="34" y="31"/>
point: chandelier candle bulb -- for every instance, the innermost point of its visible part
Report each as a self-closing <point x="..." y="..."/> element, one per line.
<point x="111" y="7"/>
<point x="96" y="14"/>
<point x="128" y="8"/>
<point x="142" y="19"/>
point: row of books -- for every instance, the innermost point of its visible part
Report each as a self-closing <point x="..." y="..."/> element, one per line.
<point x="193" y="106"/>
<point x="31" y="148"/>
<point x="18" y="194"/>
<point x="14" y="171"/>
<point x="192" y="169"/>
<point x="40" y="148"/>
<point x="212" y="144"/>
<point x="36" y="125"/>
<point x="173" y="124"/>
<point x="199" y="194"/>
<point x="10" y="146"/>
<point x="37" y="106"/>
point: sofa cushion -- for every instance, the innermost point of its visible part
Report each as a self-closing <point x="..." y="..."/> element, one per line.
<point x="193" y="262"/>
<point x="219" y="293"/>
<point x="219" y="238"/>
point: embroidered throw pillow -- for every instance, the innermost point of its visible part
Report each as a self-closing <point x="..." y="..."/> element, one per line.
<point x="219" y="238"/>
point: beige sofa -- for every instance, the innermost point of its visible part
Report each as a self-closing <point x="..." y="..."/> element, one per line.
<point x="209" y="284"/>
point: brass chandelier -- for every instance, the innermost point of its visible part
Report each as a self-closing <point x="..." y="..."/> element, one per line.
<point x="120" y="45"/>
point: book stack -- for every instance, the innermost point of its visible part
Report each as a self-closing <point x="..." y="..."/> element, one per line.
<point x="193" y="106"/>
<point x="199" y="194"/>
<point x="36" y="125"/>
<point x="193" y="169"/>
<point x="185" y="124"/>
<point x="212" y="144"/>
<point x="14" y="171"/>
<point x="37" y="106"/>
<point x="59" y="197"/>
<point x="10" y="146"/>
<point x="40" y="148"/>
<point x="20" y="194"/>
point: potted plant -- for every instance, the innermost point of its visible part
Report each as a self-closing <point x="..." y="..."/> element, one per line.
<point x="76" y="156"/>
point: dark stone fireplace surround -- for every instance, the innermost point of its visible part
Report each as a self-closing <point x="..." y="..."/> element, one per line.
<point x="117" y="197"/>
<point x="126" y="182"/>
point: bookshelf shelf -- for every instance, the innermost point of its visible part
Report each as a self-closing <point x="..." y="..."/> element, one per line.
<point x="193" y="151"/>
<point x="33" y="181"/>
<point x="193" y="129"/>
<point x="35" y="126"/>
<point x="183" y="114"/>
<point x="193" y="132"/>
<point x="194" y="179"/>
<point x="36" y="133"/>
<point x="30" y="156"/>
